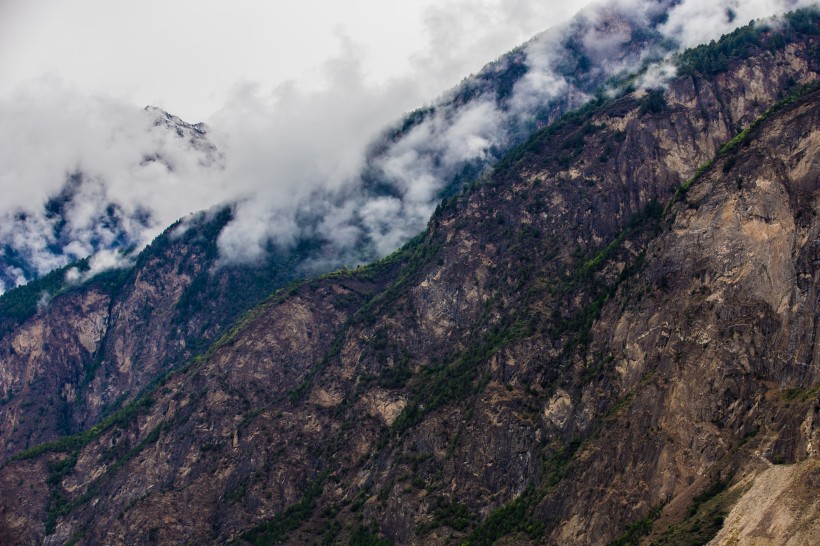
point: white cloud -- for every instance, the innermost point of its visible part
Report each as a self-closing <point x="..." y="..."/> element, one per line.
<point x="657" y="75"/>
<point x="694" y="22"/>
<point x="50" y="133"/>
<point x="291" y="158"/>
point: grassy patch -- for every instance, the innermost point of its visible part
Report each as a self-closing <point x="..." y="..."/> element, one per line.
<point x="803" y="395"/>
<point x="367" y="535"/>
<point x="59" y="505"/>
<point x="742" y="138"/>
<point x="66" y="444"/>
<point x="440" y="385"/>
<point x="555" y="466"/>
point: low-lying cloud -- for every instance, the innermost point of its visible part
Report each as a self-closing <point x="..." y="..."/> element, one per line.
<point x="80" y="174"/>
<point x="83" y="175"/>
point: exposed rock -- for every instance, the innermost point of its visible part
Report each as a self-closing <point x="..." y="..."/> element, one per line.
<point x="781" y="506"/>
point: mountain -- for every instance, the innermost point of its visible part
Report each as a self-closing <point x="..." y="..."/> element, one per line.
<point x="191" y="300"/>
<point x="609" y="337"/>
<point x="199" y="295"/>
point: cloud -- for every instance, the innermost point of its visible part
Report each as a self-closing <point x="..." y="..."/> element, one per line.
<point x="694" y="22"/>
<point x="292" y="153"/>
<point x="44" y="300"/>
<point x="564" y="64"/>
<point x="657" y="75"/>
<point x="312" y="145"/>
<point x="479" y="30"/>
<point x="89" y="174"/>
<point x="104" y="260"/>
<point x="17" y="278"/>
<point x="82" y="173"/>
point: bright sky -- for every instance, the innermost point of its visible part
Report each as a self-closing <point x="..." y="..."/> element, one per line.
<point x="187" y="55"/>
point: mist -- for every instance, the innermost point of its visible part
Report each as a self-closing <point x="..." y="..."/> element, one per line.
<point x="84" y="175"/>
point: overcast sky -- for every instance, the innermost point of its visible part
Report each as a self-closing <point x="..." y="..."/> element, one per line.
<point x="187" y="56"/>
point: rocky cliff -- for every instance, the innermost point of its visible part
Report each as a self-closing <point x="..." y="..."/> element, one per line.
<point x="610" y="338"/>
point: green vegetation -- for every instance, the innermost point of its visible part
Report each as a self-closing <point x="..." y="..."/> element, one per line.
<point x="748" y="40"/>
<point x="579" y="325"/>
<point x="367" y="536"/>
<point x="707" y="59"/>
<point x="238" y="493"/>
<point x="215" y="299"/>
<point x="21" y="303"/>
<point x="276" y="530"/>
<point x="653" y="102"/>
<point x="727" y="150"/>
<point x="499" y="76"/>
<point x="513" y="517"/>
<point x="717" y="487"/>
<point x="539" y="140"/>
<point x="642" y="527"/>
<point x="66" y="444"/>
<point x="439" y="385"/>
<point x="803" y="395"/>
<point x="79" y="535"/>
<point x="410" y="257"/>
<point x="793" y="97"/>
<point x="411" y="120"/>
<point x="555" y="466"/>
<point x="58" y="504"/>
<point x="448" y="513"/>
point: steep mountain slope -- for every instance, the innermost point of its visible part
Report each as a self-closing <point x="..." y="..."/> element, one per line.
<point x="178" y="293"/>
<point x="618" y="325"/>
<point x="72" y="353"/>
<point x="180" y="296"/>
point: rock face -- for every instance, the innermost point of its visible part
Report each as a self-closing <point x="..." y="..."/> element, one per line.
<point x="612" y="336"/>
<point x="778" y="507"/>
<point x="67" y="363"/>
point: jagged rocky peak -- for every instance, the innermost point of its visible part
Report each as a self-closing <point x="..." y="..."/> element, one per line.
<point x="170" y="120"/>
<point x="609" y="338"/>
<point x="195" y="134"/>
